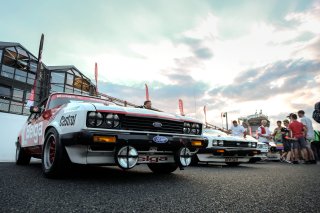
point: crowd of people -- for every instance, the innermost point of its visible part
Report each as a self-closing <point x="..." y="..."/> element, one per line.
<point x="297" y="137"/>
<point x="294" y="137"/>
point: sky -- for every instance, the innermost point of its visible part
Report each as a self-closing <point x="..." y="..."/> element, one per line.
<point x="235" y="56"/>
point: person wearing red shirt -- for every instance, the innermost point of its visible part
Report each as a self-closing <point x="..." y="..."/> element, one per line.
<point x="298" y="131"/>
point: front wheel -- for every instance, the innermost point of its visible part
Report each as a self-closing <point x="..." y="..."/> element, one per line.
<point x="54" y="156"/>
<point x="22" y="158"/>
<point x="163" y="168"/>
<point x="232" y="164"/>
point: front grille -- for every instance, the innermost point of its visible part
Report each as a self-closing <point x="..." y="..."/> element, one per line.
<point x="146" y="124"/>
<point x="235" y="144"/>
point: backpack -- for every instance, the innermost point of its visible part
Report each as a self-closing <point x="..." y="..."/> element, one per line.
<point x="316" y="112"/>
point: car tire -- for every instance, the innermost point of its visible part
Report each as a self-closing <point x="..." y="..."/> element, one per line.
<point x="22" y="157"/>
<point x="163" y="168"/>
<point x="232" y="164"/>
<point x="54" y="156"/>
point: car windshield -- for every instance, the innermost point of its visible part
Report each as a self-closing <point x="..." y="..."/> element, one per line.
<point x="60" y="99"/>
<point x="213" y="132"/>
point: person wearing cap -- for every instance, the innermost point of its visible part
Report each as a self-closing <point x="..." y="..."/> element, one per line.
<point x="309" y="135"/>
<point x="264" y="133"/>
<point x="298" y="131"/>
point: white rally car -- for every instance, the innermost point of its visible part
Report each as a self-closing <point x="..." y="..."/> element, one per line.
<point x="223" y="148"/>
<point x="263" y="155"/>
<point x="87" y="130"/>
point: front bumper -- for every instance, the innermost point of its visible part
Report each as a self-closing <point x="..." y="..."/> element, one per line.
<point x="223" y="155"/>
<point x="82" y="149"/>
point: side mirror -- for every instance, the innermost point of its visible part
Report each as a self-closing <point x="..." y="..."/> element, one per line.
<point x="35" y="109"/>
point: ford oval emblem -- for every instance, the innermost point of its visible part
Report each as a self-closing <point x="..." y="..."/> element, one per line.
<point x="160" y="139"/>
<point x="157" y="124"/>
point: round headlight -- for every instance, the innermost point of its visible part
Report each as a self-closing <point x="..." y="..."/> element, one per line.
<point x="186" y="128"/>
<point x="249" y="144"/>
<point x="214" y="143"/>
<point x="116" y="120"/>
<point x="254" y="144"/>
<point x="220" y="143"/>
<point x="112" y="120"/>
<point x="95" y="119"/>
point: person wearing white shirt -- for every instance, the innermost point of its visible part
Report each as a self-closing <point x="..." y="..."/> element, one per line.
<point x="236" y="130"/>
<point x="309" y="135"/>
<point x="264" y="133"/>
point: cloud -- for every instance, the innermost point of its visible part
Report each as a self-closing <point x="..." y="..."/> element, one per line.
<point x="258" y="84"/>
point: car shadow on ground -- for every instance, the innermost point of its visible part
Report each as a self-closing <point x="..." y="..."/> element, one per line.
<point x="224" y="166"/>
<point x="114" y="174"/>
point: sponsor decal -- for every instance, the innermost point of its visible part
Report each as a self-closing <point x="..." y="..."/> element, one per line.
<point x="69" y="120"/>
<point x="154" y="159"/>
<point x="34" y="131"/>
<point x="157" y="124"/>
<point x="160" y="139"/>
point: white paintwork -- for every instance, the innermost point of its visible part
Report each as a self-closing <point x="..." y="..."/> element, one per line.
<point x="10" y="126"/>
<point x="213" y="134"/>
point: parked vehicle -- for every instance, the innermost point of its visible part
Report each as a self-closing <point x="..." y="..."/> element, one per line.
<point x="70" y="128"/>
<point x="262" y="156"/>
<point x="223" y="148"/>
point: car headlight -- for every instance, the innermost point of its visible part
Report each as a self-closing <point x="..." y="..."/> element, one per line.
<point x="214" y="143"/>
<point x="95" y="119"/>
<point x="254" y="144"/>
<point x="220" y="143"/>
<point x="186" y="128"/>
<point x="195" y="129"/>
<point x="249" y="144"/>
<point x="112" y="120"/>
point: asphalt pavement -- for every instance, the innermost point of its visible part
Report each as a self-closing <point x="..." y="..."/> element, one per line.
<point x="261" y="187"/>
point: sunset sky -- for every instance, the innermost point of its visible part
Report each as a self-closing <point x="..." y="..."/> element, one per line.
<point x="236" y="56"/>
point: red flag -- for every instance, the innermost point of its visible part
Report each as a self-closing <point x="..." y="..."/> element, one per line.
<point x="147" y="93"/>
<point x="181" y="107"/>
<point x="205" y="113"/>
<point x="96" y="75"/>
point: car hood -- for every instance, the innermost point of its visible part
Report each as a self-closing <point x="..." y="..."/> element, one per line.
<point x="229" y="138"/>
<point x="141" y="112"/>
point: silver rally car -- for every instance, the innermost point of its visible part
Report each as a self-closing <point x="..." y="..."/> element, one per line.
<point x="69" y="128"/>
<point x="224" y="148"/>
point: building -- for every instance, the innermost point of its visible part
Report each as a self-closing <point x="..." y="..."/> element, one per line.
<point x="18" y="74"/>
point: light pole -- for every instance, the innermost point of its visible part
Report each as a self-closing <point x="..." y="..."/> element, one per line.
<point x="226" y="115"/>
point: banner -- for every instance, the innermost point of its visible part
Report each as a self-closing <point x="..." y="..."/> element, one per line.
<point x="147" y="93"/>
<point x="181" y="107"/>
<point x="96" y="75"/>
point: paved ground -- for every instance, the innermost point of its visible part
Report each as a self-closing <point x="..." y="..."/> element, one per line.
<point x="263" y="187"/>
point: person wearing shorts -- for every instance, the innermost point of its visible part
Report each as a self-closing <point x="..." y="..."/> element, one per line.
<point x="309" y="135"/>
<point x="297" y="131"/>
<point x="287" y="153"/>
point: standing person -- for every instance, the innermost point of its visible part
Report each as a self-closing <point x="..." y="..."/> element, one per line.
<point x="264" y="133"/>
<point x="147" y="105"/>
<point x="236" y="130"/>
<point x="297" y="131"/>
<point x="309" y="135"/>
<point x="278" y="136"/>
<point x="287" y="154"/>
<point x="315" y="146"/>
